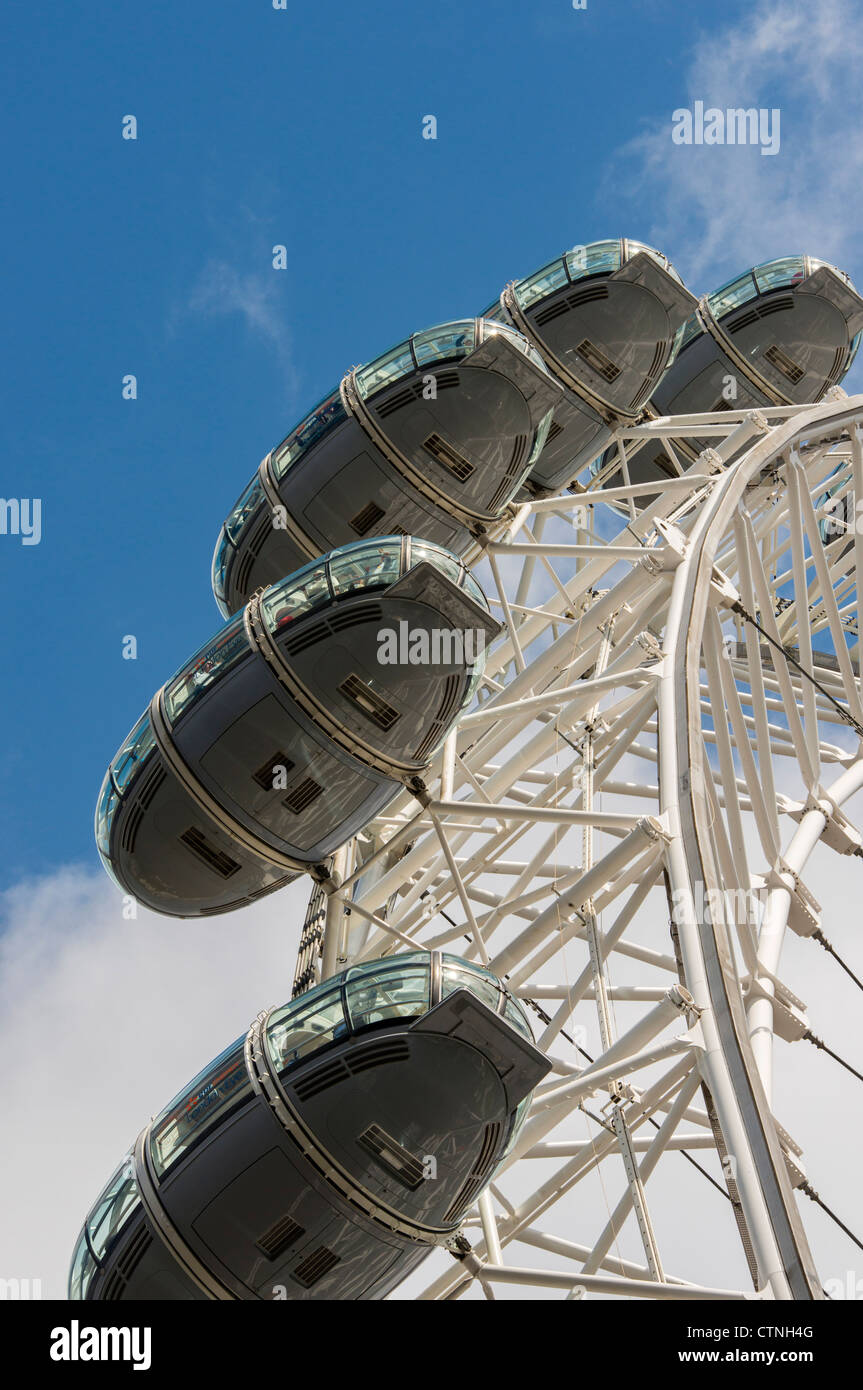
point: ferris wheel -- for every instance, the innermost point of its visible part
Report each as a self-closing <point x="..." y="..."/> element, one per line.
<point x="541" y="658"/>
<point x="623" y="829"/>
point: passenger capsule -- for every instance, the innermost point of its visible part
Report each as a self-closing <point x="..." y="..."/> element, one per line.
<point x="604" y="318"/>
<point x="781" y="334"/>
<point x="432" y="439"/>
<point x="324" y="1155"/>
<point x="293" y="727"/>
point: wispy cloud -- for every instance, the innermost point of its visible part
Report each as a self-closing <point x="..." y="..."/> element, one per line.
<point x="221" y="290"/>
<point x="718" y="208"/>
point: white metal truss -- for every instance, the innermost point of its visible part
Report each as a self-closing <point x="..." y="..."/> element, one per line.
<point x="666" y="732"/>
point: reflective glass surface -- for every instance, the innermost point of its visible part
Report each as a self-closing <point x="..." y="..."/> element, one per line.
<point x="221" y="558"/>
<point x="105" y="808"/>
<point x="423" y="551"/>
<point x="294" y="597"/>
<point x="213" y="1093"/>
<point x="360" y="567"/>
<point x="253" y="497"/>
<point x="448" y="341"/>
<point x="732" y="295"/>
<point x="134" y="753"/>
<point x="208" y="665"/>
<point x="300" y="1028"/>
<point x="597" y="258"/>
<point x="378" y="995"/>
<point x="113" y="1209"/>
<point x="790" y="270"/>
<point x="542" y="283"/>
<point x="82" y="1269"/>
<point x="327" y="413"/>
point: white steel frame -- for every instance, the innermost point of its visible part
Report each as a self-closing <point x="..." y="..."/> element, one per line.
<point x="535" y="838"/>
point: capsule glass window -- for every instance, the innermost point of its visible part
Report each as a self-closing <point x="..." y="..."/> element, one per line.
<point x="328" y="412"/>
<point x="424" y="550"/>
<point x="221" y="557"/>
<point x="214" y="1092"/>
<point x="396" y="363"/>
<point x="209" y="664"/>
<point x="732" y="295"/>
<point x="300" y="1028"/>
<point x="385" y="994"/>
<point x="775" y="275"/>
<point x="82" y="1269"/>
<point x="362" y="567"/>
<point x="598" y="258"/>
<point x="457" y="977"/>
<point x="113" y="1209"/>
<point x="449" y="341"/>
<point x="134" y="753"/>
<point x="542" y="283"/>
<point x="296" y="596"/>
<point x="249" y="503"/>
<point x="105" y="808"/>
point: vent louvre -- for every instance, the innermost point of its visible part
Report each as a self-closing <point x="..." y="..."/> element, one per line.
<point x="777" y="306"/>
<point x="571" y="301"/>
<point x="241" y="577"/>
<point x="836" y="369"/>
<point x="198" y="844"/>
<point x="300" y="797"/>
<point x="279" y="1237"/>
<point x="321" y="1079"/>
<point x="337" y="622"/>
<point x="366" y="518"/>
<point x="478" y="1174"/>
<point x="131" y="828"/>
<point x="402" y="398"/>
<point x="316" y="633"/>
<point x="150" y="787"/>
<point x="378" y="1054"/>
<point x="313" y="1268"/>
<point x="784" y="364"/>
<point x="446" y="709"/>
<point x="265" y="774"/>
<point x="369" y="703"/>
<point x="553" y="432"/>
<point x="597" y="360"/>
<point x="444" y="381"/>
<point x="351" y="617"/>
<point x="444" y="453"/>
<point x="118" y="1280"/>
<point x="392" y="1156"/>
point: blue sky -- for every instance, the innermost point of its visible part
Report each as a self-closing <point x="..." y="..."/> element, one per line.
<point x="154" y="257"/>
<point x="303" y="127"/>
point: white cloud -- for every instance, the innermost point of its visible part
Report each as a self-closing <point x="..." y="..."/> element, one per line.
<point x="102" y="1021"/>
<point x="720" y="208"/>
<point x="221" y="290"/>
